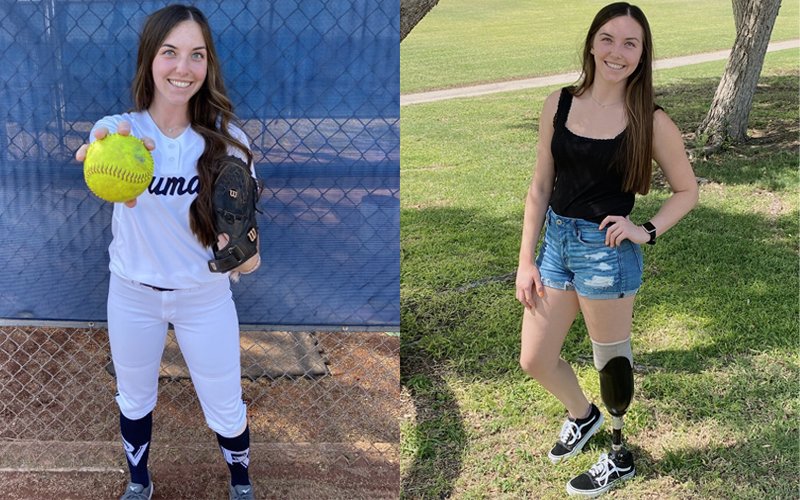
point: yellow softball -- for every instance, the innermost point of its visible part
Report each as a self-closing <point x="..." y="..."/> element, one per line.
<point x="118" y="168"/>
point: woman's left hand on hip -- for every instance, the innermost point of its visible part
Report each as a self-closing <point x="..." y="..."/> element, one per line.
<point x="620" y="229"/>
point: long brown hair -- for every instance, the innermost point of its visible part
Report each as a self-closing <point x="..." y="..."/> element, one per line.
<point x="637" y="155"/>
<point x="210" y="110"/>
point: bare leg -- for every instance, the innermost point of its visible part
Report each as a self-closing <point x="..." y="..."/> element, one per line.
<point x="608" y="320"/>
<point x="543" y="332"/>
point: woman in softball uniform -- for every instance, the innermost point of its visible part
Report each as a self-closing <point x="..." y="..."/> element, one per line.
<point x="597" y="141"/>
<point x="162" y="242"/>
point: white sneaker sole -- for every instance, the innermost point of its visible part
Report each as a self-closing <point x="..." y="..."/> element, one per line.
<point x="599" y="491"/>
<point x="580" y="444"/>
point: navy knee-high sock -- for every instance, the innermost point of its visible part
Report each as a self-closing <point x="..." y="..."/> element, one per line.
<point x="136" y="440"/>
<point x="236" y="451"/>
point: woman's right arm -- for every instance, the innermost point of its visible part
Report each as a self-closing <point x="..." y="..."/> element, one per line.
<point x="536" y="203"/>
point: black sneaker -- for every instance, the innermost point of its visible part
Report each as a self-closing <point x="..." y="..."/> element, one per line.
<point x="608" y="471"/>
<point x="574" y="434"/>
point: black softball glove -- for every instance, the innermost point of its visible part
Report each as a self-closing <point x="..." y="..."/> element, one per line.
<point x="234" y="201"/>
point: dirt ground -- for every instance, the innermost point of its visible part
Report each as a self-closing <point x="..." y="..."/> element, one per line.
<point x="273" y="477"/>
<point x="330" y="436"/>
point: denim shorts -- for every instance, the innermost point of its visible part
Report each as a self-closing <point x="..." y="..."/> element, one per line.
<point x="574" y="256"/>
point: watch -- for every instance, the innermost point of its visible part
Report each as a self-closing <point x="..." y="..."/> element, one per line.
<point x="651" y="230"/>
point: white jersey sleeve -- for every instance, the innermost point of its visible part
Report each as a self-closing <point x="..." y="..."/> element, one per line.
<point x="240" y="136"/>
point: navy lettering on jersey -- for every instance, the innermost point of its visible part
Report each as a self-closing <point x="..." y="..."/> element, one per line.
<point x="170" y="186"/>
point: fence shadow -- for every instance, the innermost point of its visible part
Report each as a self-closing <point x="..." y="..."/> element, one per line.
<point x="439" y="435"/>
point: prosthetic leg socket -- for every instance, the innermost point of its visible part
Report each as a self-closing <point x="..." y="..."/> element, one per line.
<point x="616" y="382"/>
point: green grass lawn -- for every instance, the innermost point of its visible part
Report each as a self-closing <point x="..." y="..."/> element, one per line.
<point x="715" y="334"/>
<point x="476" y="41"/>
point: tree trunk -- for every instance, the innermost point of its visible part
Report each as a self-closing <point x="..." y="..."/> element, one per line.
<point x="412" y="12"/>
<point x="730" y="110"/>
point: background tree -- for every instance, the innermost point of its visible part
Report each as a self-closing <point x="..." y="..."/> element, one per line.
<point x="412" y="12"/>
<point x="730" y="110"/>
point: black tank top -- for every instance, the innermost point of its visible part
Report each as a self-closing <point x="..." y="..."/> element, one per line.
<point x="588" y="182"/>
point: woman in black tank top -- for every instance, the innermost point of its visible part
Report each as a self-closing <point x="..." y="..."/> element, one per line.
<point x="597" y="142"/>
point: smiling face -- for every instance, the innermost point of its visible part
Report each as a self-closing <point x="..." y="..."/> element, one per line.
<point x="180" y="66"/>
<point x="617" y="48"/>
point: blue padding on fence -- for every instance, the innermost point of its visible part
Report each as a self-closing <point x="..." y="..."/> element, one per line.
<point x="316" y="85"/>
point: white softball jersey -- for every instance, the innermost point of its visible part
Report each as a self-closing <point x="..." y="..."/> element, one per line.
<point x="153" y="242"/>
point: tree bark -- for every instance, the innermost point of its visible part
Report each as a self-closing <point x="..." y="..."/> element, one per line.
<point x="730" y="110"/>
<point x="412" y="12"/>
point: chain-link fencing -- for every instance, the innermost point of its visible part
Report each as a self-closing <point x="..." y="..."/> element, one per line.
<point x="316" y="86"/>
<point x="326" y="398"/>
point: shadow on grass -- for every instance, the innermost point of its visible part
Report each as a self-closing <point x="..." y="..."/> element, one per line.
<point x="774" y="108"/>
<point x="769" y="157"/>
<point x="762" y="458"/>
<point x="439" y="438"/>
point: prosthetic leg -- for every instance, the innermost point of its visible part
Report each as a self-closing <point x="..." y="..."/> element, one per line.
<point x="614" y="362"/>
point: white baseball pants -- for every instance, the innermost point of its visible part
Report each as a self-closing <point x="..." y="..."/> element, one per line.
<point x="207" y="331"/>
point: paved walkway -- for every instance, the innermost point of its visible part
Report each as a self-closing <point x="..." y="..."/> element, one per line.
<point x="544" y="81"/>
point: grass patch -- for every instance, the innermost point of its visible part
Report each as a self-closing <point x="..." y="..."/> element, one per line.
<point x="481" y="41"/>
<point x="715" y="330"/>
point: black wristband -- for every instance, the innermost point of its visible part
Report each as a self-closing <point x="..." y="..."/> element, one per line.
<point x="651" y="230"/>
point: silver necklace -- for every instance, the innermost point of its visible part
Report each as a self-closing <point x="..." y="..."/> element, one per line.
<point x="591" y="94"/>
<point x="167" y="130"/>
<point x="174" y="129"/>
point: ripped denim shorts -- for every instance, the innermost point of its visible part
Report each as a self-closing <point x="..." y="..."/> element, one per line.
<point x="574" y="256"/>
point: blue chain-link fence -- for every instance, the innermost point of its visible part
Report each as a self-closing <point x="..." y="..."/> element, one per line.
<point x="316" y="85"/>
